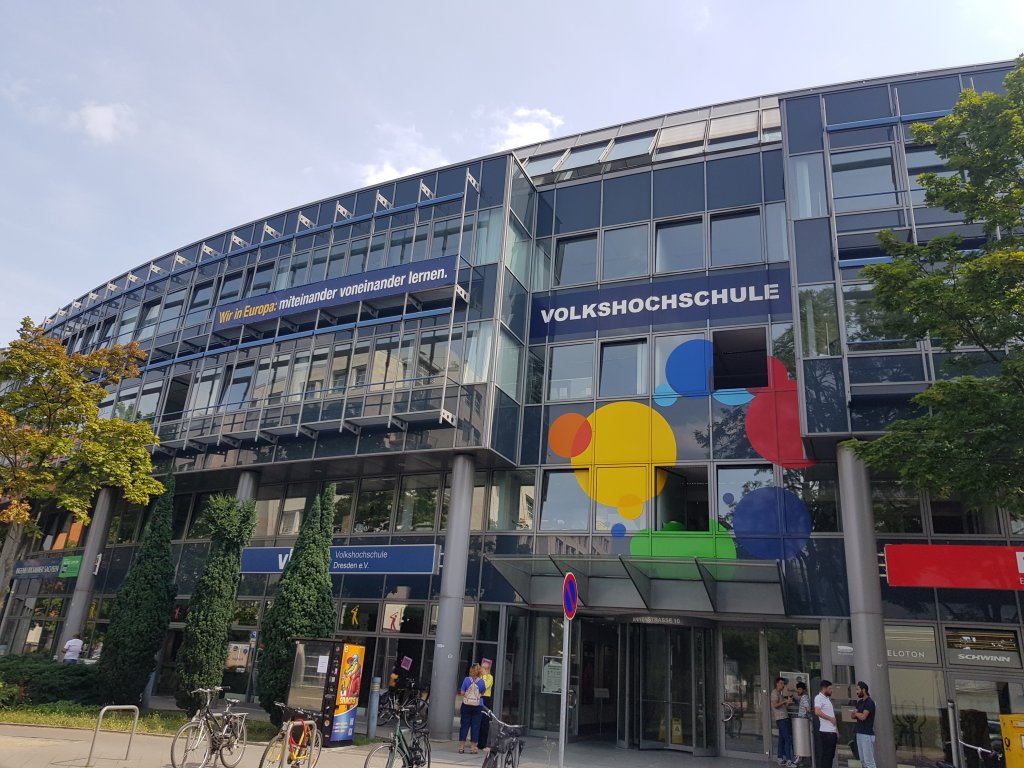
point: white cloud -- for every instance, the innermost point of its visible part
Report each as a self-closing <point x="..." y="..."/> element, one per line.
<point x="403" y="152"/>
<point x="105" y="123"/>
<point x="702" y="17"/>
<point x="524" y="126"/>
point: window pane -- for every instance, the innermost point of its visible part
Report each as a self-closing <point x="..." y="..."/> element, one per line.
<point x="897" y="507"/>
<point x="678" y="191"/>
<point x="803" y="124"/>
<point x="819" y="324"/>
<point x="734" y="181"/>
<point x="576" y="261"/>
<point x="565" y="506"/>
<point x="740" y="358"/>
<point x="571" y="372"/>
<point x="928" y="95"/>
<point x="627" y="199"/>
<point x="683" y="504"/>
<point x="861" y="104"/>
<point x="512" y="501"/>
<point x="543" y="164"/>
<point x="736" y="239"/>
<point x="625" y="253"/>
<point x="578" y="208"/>
<point x="630" y="146"/>
<point x="864" y="179"/>
<point x="808" y="177"/>
<point x="417" y="506"/>
<point x="680" y="245"/>
<point x="580" y="156"/>
<point x="865" y="322"/>
<point x="774" y="188"/>
<point x="775" y="232"/>
<point x="813" y="250"/>
<point x="859" y="136"/>
<point x="373" y="508"/>
<point x="623" y="369"/>
<point x="736" y="482"/>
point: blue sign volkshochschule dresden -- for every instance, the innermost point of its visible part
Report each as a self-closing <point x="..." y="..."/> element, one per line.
<point x="389" y="559"/>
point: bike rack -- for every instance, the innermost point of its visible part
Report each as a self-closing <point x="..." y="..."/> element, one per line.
<point x="99" y="720"/>
<point x="286" y="747"/>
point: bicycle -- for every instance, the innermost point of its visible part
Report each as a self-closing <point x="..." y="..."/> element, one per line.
<point x="413" y="753"/>
<point x="302" y="750"/>
<point x="506" y="740"/>
<point x="406" y="702"/>
<point x="209" y="733"/>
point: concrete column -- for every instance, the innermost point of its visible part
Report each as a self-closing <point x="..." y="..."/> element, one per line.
<point x="866" y="625"/>
<point x="94" y="541"/>
<point x="248" y="484"/>
<point x="445" y="678"/>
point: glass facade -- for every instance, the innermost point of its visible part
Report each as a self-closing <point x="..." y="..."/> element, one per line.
<point x="650" y="340"/>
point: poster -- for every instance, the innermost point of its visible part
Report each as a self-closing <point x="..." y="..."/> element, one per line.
<point x="238" y="656"/>
<point x="551" y="677"/>
<point x="792" y="679"/>
<point x="350" y="676"/>
<point x="321" y="664"/>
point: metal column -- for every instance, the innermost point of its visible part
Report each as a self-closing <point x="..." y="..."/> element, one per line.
<point x="867" y="628"/>
<point x="95" y="538"/>
<point x="445" y="677"/>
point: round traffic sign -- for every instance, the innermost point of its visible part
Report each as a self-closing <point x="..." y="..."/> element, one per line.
<point x="570" y="596"/>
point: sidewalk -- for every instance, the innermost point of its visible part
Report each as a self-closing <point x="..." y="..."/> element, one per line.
<point x="30" y="746"/>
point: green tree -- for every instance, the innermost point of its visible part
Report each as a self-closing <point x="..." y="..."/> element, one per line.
<point x="303" y="605"/>
<point x="142" y="610"/>
<point x="53" y="444"/>
<point x="229" y="523"/>
<point x="969" y="441"/>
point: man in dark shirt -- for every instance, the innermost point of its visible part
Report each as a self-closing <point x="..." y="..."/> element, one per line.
<point x="865" y="727"/>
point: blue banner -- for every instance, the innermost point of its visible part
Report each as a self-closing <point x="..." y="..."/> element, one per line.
<point x="718" y="295"/>
<point x="388" y="558"/>
<point x="389" y="281"/>
<point x="37" y="568"/>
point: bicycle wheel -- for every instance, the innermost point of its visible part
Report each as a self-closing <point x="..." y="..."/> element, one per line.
<point x="233" y="744"/>
<point x="316" y="743"/>
<point x="192" y="746"/>
<point x="422" y="741"/>
<point x="510" y="757"/>
<point x="415" y="712"/>
<point x="386" y="708"/>
<point x="272" y="754"/>
<point x="383" y="756"/>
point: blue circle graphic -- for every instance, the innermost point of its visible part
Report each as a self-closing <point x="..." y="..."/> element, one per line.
<point x="618" y="531"/>
<point x="732" y="396"/>
<point x="665" y="396"/>
<point x="688" y="368"/>
<point x="771" y="524"/>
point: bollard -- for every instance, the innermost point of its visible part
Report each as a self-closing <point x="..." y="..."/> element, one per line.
<point x="371" y="708"/>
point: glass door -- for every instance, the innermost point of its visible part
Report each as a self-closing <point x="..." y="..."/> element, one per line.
<point x="654" y="686"/>
<point x="743" y="710"/>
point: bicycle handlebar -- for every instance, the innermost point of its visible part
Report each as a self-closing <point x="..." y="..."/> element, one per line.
<point x="300" y="710"/>
<point x="494" y="717"/>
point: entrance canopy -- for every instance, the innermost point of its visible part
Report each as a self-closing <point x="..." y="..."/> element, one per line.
<point x="649" y="584"/>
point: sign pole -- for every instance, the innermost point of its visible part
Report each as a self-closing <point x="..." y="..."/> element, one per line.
<point x="570" y="599"/>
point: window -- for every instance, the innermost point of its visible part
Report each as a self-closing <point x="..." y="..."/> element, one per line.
<point x="400" y="247"/>
<point x="417" y="506"/>
<point x="344" y="495"/>
<point x="734" y="181"/>
<point x="864" y="179"/>
<point x="740" y="358"/>
<point x="576" y="261"/>
<point x="679" y="191"/>
<point x="808" y="187"/>
<point x="933" y="95"/>
<point x="577" y="208"/>
<point x="571" y="372"/>
<point x="625" y="253"/>
<point x="856" y="137"/>
<point x="819" y="321"/>
<point x="538" y="166"/>
<point x="626" y="199"/>
<point x="896" y="507"/>
<point x="953" y="517"/>
<point x="736" y="482"/>
<point x="776" y="236"/>
<point x="865" y="322"/>
<point x="512" y="501"/>
<point x="683" y="504"/>
<point x="736" y="239"/>
<point x="860" y="104"/>
<point x="630" y="146"/>
<point x="803" y="124"/>
<point x="232" y="287"/>
<point x="580" y="156"/>
<point x="565" y="506"/>
<point x="262" y="280"/>
<point x="623" y="369"/>
<point x="373" y="506"/>
<point x="814" y="263"/>
<point x="679" y="245"/>
<point x="237" y="390"/>
<point x="924" y="160"/>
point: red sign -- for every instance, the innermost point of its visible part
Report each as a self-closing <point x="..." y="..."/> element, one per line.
<point x="954" y="566"/>
<point x="570" y="596"/>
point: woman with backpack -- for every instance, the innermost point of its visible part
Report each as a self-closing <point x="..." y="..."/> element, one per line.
<point x="472" y="690"/>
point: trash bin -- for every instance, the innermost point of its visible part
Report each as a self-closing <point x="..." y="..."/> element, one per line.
<point x="801" y="736"/>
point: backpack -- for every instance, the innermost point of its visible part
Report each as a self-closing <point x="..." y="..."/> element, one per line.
<point x="471" y="697"/>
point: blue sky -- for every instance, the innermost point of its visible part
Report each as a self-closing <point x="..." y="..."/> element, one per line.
<point x="130" y="129"/>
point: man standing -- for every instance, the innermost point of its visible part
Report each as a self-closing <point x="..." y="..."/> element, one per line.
<point x="73" y="649"/>
<point x="780" y="714"/>
<point x="827" y="725"/>
<point x="803" y="711"/>
<point x="865" y="727"/>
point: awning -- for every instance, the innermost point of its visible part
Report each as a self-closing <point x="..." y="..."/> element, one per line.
<point x="694" y="585"/>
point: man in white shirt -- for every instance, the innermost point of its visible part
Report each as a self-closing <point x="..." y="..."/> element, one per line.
<point x="827" y="724"/>
<point x="73" y="649"/>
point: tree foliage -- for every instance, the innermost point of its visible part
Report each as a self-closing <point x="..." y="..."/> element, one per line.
<point x="969" y="442"/>
<point x="53" y="444"/>
<point x="142" y="610"/>
<point x="303" y="605"/>
<point x="229" y="523"/>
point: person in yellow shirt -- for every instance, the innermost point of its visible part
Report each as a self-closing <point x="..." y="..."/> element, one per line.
<point x="487" y="700"/>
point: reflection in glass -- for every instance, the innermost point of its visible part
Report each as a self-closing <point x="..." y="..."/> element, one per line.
<point x="679" y="245"/>
<point x="864" y="179"/>
<point x="819" y="323"/>
<point x="807" y="178"/>
<point x="623" y="369"/>
<point x="576" y="261"/>
<point x="564" y="505"/>
<point x="736" y="482"/>
<point x="736" y="239"/>
<point x="571" y="372"/>
<point x="625" y="252"/>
